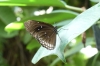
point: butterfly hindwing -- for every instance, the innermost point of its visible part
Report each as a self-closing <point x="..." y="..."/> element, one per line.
<point x="43" y="32"/>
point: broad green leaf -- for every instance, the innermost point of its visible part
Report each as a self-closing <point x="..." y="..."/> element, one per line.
<point x="95" y="0"/>
<point x="3" y="33"/>
<point x="74" y="50"/>
<point x="7" y="14"/>
<point x="33" y="44"/>
<point x="14" y="26"/>
<point x="54" y="3"/>
<point x="26" y="38"/>
<point x="57" y="3"/>
<point x="55" y="16"/>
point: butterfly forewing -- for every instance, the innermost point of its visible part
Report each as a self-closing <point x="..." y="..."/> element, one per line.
<point x="43" y="32"/>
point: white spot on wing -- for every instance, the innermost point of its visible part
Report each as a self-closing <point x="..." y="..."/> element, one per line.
<point x="41" y="27"/>
<point x="45" y="33"/>
<point x="38" y="29"/>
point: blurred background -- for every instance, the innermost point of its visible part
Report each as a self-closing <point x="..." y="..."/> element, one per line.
<point x="17" y="46"/>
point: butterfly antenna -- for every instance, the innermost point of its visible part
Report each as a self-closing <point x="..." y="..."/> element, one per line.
<point x="55" y="25"/>
<point x="59" y="36"/>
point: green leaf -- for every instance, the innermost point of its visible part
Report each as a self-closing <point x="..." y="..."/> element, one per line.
<point x="55" y="16"/>
<point x="57" y="3"/>
<point x="7" y="14"/>
<point x="80" y="24"/>
<point x="14" y="26"/>
<point x="33" y="44"/>
<point x="3" y="33"/>
<point x="26" y="38"/>
<point x="74" y="50"/>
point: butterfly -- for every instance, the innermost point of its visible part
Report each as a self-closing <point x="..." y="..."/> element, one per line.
<point x="44" y="33"/>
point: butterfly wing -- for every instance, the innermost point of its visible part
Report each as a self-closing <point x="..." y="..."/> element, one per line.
<point x="47" y="39"/>
<point x="43" y="32"/>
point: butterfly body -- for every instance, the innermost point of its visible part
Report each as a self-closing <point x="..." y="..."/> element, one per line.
<point x="43" y="32"/>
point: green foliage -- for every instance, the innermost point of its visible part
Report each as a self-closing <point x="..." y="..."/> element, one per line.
<point x="15" y="42"/>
